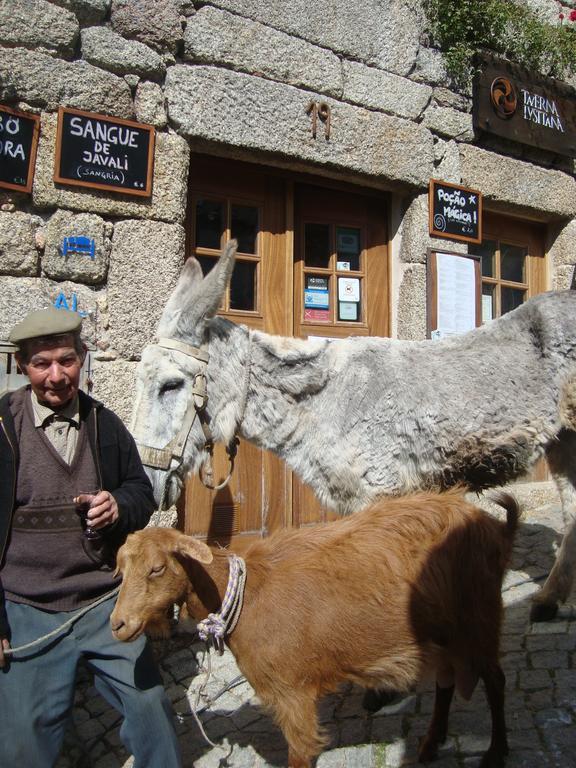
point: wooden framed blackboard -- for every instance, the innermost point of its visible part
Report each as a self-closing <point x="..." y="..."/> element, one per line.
<point x="454" y="290"/>
<point x="104" y="152"/>
<point x="19" y="133"/>
<point x="455" y="212"/>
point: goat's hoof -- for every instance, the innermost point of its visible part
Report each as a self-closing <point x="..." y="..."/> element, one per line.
<point x="374" y="700"/>
<point x="543" y="611"/>
<point x="428" y="750"/>
<point x="494" y="759"/>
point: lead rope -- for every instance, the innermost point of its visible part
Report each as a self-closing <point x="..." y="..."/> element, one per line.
<point x="213" y="629"/>
<point x="68" y="623"/>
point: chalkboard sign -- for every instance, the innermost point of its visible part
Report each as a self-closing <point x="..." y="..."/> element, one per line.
<point x="18" y="141"/>
<point x="104" y="152"/>
<point x="455" y="212"/>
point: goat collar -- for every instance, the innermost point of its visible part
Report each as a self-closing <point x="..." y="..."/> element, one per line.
<point x="216" y="626"/>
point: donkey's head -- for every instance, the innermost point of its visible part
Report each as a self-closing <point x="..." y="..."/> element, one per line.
<point x="170" y="383"/>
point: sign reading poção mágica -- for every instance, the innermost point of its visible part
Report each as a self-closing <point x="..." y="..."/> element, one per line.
<point x="18" y="141"/>
<point x="104" y="152"/>
<point x="455" y="212"/>
<point x="523" y="106"/>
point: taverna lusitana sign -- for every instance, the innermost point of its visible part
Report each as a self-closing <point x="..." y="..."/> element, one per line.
<point x="104" y="152"/>
<point x="524" y="106"/>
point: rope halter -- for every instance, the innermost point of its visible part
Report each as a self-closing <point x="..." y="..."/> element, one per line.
<point x="169" y="459"/>
<point x="216" y="626"/>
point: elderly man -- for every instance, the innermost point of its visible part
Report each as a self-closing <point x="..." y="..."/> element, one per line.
<point x="72" y="488"/>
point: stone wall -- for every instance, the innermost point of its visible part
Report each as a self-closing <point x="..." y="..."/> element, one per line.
<point x="234" y="77"/>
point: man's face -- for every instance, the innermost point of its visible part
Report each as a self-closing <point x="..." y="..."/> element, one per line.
<point x="53" y="368"/>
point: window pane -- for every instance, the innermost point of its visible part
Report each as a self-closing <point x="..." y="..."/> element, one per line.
<point x="487" y="303"/>
<point x="487" y="250"/>
<point x="511" y="298"/>
<point x="347" y="248"/>
<point x="209" y="223"/>
<point x="243" y="286"/>
<point x="317" y="298"/>
<point x="207" y="263"/>
<point x="512" y="261"/>
<point x="317" y="245"/>
<point x="244" y="227"/>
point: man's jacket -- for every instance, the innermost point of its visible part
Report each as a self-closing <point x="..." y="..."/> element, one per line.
<point x="117" y="463"/>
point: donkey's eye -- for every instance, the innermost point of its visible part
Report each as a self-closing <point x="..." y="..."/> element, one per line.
<point x="170" y="386"/>
<point x="156" y="570"/>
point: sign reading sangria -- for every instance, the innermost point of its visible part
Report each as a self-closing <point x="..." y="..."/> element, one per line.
<point x="524" y="106"/>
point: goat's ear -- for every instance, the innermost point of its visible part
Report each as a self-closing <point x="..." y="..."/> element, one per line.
<point x="195" y="549"/>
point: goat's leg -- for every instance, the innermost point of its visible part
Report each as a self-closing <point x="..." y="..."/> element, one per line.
<point x="494" y="683"/>
<point x="297" y="716"/>
<point x="562" y="462"/>
<point x="438" y="728"/>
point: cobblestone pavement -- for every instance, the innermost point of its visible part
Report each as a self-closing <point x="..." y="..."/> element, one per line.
<point x="539" y="661"/>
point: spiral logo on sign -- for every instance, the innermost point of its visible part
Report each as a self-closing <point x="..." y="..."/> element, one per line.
<point x="439" y="222"/>
<point x="503" y="97"/>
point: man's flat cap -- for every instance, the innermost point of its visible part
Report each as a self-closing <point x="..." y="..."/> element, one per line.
<point x="46" y="322"/>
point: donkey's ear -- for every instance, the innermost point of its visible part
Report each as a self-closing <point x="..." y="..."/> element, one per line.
<point x="197" y="550"/>
<point x="206" y="298"/>
<point x="190" y="277"/>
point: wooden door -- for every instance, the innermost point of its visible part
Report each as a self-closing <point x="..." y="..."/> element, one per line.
<point x="341" y="285"/>
<point x="274" y="216"/>
<point x="227" y="200"/>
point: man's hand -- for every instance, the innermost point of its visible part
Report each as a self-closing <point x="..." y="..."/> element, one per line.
<point x="4" y="646"/>
<point x="103" y="508"/>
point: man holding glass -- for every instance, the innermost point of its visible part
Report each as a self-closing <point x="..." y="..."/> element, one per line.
<point x="72" y="487"/>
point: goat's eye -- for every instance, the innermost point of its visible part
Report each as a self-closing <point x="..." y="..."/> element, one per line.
<point x="170" y="386"/>
<point x="157" y="570"/>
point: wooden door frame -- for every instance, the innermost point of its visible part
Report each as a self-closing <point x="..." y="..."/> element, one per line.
<point x="220" y="176"/>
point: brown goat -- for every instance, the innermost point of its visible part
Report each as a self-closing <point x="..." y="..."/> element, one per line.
<point x="407" y="589"/>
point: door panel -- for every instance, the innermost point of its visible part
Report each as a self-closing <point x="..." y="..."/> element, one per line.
<point x="259" y="207"/>
<point x="340" y="283"/>
<point x="226" y="200"/>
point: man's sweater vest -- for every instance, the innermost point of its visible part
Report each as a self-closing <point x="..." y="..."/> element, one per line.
<point x="49" y="562"/>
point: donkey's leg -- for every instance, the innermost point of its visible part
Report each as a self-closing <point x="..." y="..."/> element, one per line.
<point x="561" y="456"/>
<point x="438" y="728"/>
<point x="494" y="682"/>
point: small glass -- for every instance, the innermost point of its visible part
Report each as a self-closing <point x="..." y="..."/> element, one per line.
<point x="82" y="507"/>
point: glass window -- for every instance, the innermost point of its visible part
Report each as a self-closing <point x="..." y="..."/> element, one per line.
<point x="317" y="245"/>
<point x="206" y="262"/>
<point x="347" y="248"/>
<point x="244" y="226"/>
<point x="512" y="262"/>
<point x="488" y="310"/>
<point x="243" y="286"/>
<point x="511" y="298"/>
<point x="502" y="264"/>
<point x="209" y="223"/>
<point x="487" y="251"/>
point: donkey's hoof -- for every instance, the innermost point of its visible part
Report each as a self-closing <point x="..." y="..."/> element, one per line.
<point x="543" y="611"/>
<point x="374" y="700"/>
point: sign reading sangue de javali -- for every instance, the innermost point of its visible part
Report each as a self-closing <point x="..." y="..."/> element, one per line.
<point x="104" y="152"/>
<point x="523" y="106"/>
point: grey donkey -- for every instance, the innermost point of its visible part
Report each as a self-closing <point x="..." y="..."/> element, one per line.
<point x="361" y="417"/>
